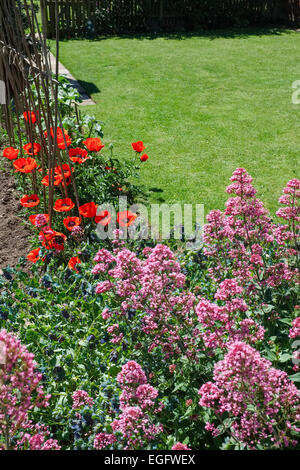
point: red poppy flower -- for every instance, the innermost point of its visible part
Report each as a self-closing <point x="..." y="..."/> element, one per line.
<point x="88" y="210"/>
<point x="93" y="144"/>
<point x="126" y="218"/>
<point x="45" y="235"/>
<point x="103" y="218"/>
<point x="68" y="182"/>
<point x="73" y="262"/>
<point x="30" y="201"/>
<point x="32" y="149"/>
<point x="25" y="165"/>
<point x="57" y="241"/>
<point x="51" y="239"/>
<point x="65" y="168"/>
<point x="57" y="180"/>
<point x="71" y="222"/>
<point x="33" y="256"/>
<point x="78" y="155"/>
<point x="144" y="157"/>
<point x="61" y="141"/>
<point x="59" y="132"/>
<point x="30" y="116"/>
<point x="63" y="205"/>
<point x="11" y="153"/>
<point x="138" y="146"/>
<point x="33" y="217"/>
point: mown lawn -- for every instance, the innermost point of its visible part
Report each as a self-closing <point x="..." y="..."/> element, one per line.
<point x="203" y="104"/>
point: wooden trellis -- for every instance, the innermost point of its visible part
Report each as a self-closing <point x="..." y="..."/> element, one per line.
<point x="30" y="87"/>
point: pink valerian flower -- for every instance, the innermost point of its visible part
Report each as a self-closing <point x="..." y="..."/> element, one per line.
<point x="222" y="325"/>
<point x="291" y="199"/>
<point x="138" y="407"/>
<point x="279" y="272"/>
<point x="99" y="268"/>
<point x="104" y="440"/>
<point x="103" y="287"/>
<point x="263" y="403"/>
<point x="135" y="389"/>
<point x="104" y="257"/>
<point x="77" y="233"/>
<point x="135" y="427"/>
<point x="50" y="444"/>
<point x="20" y="388"/>
<point x="117" y="337"/>
<point x="239" y="240"/>
<point x="143" y="396"/>
<point x="154" y="286"/>
<point x="45" y="232"/>
<point x="180" y="446"/>
<point x="212" y="429"/>
<point x="131" y="374"/>
<point x="113" y="328"/>
<point x="35" y="436"/>
<point x="228" y="289"/>
<point x="40" y="220"/>
<point x="81" y="398"/>
<point x="295" y="330"/>
<point x="146" y="395"/>
<point x="106" y="314"/>
<point x="37" y="442"/>
<point x="296" y="357"/>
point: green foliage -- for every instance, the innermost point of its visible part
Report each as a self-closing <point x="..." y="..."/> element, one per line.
<point x="57" y="314"/>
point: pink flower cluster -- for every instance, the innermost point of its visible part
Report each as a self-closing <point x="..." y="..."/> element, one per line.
<point x="135" y="389"/>
<point x="135" y="427"/>
<point x="104" y="440"/>
<point x="20" y="391"/>
<point x="222" y="325"/>
<point x="137" y="404"/>
<point x="295" y="330"/>
<point x="263" y="403"/>
<point x="153" y="285"/>
<point x="180" y="446"/>
<point x="35" y="437"/>
<point x="40" y="220"/>
<point x="116" y="335"/>
<point x="103" y="259"/>
<point x="239" y="240"/>
<point x="131" y="375"/>
<point x="80" y="399"/>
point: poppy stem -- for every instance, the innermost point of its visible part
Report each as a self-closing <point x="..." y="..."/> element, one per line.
<point x="34" y="182"/>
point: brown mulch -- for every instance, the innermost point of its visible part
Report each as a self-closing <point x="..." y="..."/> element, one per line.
<point x="14" y="236"/>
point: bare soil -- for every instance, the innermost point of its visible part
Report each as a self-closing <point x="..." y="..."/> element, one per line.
<point x="14" y="236"/>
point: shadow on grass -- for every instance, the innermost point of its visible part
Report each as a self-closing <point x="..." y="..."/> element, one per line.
<point x="240" y="33"/>
<point x="89" y="87"/>
<point x="157" y="191"/>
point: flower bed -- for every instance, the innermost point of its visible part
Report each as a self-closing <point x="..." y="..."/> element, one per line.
<point x="144" y="348"/>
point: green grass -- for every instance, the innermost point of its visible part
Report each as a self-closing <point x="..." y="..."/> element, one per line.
<point x="203" y="105"/>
